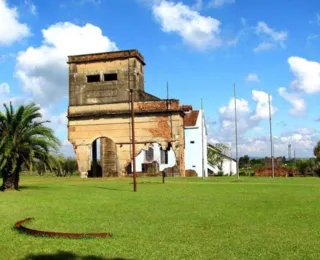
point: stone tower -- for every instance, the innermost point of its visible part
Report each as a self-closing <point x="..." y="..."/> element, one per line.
<point x="99" y="108"/>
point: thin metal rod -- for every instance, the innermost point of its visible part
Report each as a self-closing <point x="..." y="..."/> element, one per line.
<point x="236" y="128"/>
<point x="170" y="115"/>
<point x="133" y="142"/>
<point x="271" y="139"/>
<point x="202" y="144"/>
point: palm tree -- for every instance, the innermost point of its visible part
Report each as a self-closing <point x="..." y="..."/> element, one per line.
<point x="23" y="140"/>
<point x="316" y="150"/>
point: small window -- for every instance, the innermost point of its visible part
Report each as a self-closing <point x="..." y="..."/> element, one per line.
<point x="93" y="78"/>
<point x="191" y="142"/>
<point x="149" y="154"/>
<point x="110" y="77"/>
<point x="164" y="156"/>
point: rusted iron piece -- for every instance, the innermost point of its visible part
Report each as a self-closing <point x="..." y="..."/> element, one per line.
<point x="35" y="232"/>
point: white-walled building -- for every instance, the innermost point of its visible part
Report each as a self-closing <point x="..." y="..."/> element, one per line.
<point x="196" y="139"/>
<point x="196" y="150"/>
<point x="229" y="165"/>
<point x="164" y="158"/>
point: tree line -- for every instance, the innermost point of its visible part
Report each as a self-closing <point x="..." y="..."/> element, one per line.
<point x="306" y="167"/>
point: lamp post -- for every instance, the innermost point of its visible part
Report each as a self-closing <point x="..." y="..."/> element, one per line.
<point x="133" y="142"/>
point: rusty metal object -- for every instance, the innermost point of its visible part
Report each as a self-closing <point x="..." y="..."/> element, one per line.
<point x="35" y="232"/>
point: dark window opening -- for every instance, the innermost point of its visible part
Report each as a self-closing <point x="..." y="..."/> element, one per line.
<point x="110" y="77"/>
<point x="149" y="154"/>
<point x="93" y="78"/>
<point x="191" y="142"/>
<point x="164" y="156"/>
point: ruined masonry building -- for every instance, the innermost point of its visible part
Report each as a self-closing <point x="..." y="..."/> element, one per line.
<point x="99" y="108"/>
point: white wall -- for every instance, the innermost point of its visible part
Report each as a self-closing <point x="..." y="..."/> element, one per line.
<point x="141" y="158"/>
<point x="228" y="166"/>
<point x="193" y="151"/>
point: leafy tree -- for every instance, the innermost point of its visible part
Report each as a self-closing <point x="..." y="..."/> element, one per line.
<point x="244" y="161"/>
<point x="302" y="166"/>
<point x="64" y="166"/>
<point x="24" y="139"/>
<point x="316" y="151"/>
<point x="216" y="156"/>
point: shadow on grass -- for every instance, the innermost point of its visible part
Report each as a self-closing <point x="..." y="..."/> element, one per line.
<point x="149" y="182"/>
<point x="107" y="188"/>
<point x="67" y="256"/>
<point x="31" y="187"/>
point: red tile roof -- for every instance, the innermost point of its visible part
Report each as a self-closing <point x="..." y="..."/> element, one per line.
<point x="190" y="119"/>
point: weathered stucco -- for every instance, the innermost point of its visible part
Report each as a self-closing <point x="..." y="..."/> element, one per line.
<point x="101" y="109"/>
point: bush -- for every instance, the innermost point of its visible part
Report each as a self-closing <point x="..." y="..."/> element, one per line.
<point x="242" y="173"/>
<point x="220" y="173"/>
<point x="191" y="173"/>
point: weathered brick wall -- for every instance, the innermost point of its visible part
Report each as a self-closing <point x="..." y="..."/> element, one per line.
<point x="129" y="73"/>
<point x="278" y="172"/>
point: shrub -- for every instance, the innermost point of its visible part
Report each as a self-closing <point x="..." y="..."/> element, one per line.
<point x="220" y="173"/>
<point x="191" y="173"/>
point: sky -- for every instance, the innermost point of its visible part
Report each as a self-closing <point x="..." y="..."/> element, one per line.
<point x="200" y="47"/>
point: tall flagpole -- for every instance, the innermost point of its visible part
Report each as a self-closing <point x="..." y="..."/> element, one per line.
<point x="271" y="139"/>
<point x="236" y="128"/>
<point x="202" y="123"/>
<point x="133" y="141"/>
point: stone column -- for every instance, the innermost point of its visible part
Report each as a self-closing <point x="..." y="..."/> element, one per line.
<point x="108" y="157"/>
<point x="83" y="159"/>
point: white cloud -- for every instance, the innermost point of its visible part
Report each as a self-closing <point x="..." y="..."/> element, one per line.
<point x="31" y="6"/>
<point x="252" y="77"/>
<point x="271" y="36"/>
<point x="198" y="4"/>
<point x="247" y="119"/>
<point x="6" y="97"/>
<point x="243" y="21"/>
<point x="67" y="148"/>
<point x="316" y="19"/>
<point x="4" y="89"/>
<point x="43" y="70"/>
<point x="263" y="28"/>
<point x="94" y="2"/>
<point x="296" y="101"/>
<point x="219" y="3"/>
<point x="262" y="109"/>
<point x="264" y="46"/>
<point x="197" y="31"/>
<point x="11" y="29"/>
<point x="307" y="75"/>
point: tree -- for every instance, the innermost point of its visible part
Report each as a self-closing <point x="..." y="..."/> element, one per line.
<point x="244" y="161"/>
<point x="64" y="166"/>
<point x="316" y="151"/>
<point x="216" y="155"/>
<point x="24" y="139"/>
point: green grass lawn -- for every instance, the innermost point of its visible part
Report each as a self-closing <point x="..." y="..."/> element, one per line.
<point x="186" y="218"/>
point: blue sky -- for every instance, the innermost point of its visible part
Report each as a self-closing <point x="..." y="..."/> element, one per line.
<point x="200" y="47"/>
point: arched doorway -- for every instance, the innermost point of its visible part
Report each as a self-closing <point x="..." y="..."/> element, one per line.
<point x="104" y="162"/>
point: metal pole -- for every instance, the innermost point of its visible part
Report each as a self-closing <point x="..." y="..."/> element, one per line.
<point x="171" y="131"/>
<point x="236" y="129"/>
<point x="133" y="142"/>
<point x="202" y="146"/>
<point x="271" y="139"/>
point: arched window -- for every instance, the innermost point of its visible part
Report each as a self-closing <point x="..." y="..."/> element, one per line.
<point x="149" y="154"/>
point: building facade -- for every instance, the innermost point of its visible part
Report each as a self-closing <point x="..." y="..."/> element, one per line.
<point x="196" y="139"/>
<point x="99" y="108"/>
